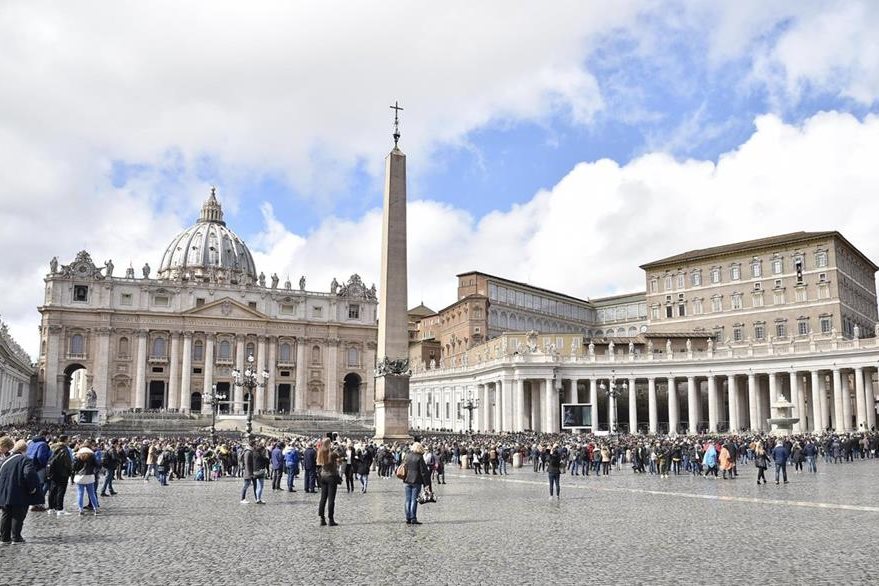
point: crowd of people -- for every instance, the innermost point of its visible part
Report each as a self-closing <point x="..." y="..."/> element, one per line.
<point x="36" y="469"/>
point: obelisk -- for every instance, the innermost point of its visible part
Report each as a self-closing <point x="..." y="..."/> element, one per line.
<point x="392" y="354"/>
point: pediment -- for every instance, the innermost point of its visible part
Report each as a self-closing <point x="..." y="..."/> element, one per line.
<point x="225" y="307"/>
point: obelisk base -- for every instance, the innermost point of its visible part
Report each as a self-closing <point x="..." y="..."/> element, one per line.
<point x="392" y="408"/>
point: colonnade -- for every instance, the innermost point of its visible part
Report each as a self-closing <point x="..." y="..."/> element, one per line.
<point x="837" y="398"/>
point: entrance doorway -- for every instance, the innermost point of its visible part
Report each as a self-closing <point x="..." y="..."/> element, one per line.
<point x="284" y="403"/>
<point x="351" y="394"/>
<point x="156" y="395"/>
<point x="224" y="389"/>
<point x="195" y="403"/>
<point x="75" y="381"/>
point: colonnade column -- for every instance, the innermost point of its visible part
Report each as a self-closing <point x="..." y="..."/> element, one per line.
<point x="519" y="405"/>
<point x="860" y="401"/>
<point x="174" y="372"/>
<point x="871" y="401"/>
<point x="633" y="407"/>
<point x="732" y="396"/>
<point x="208" y="381"/>
<point x="712" y="404"/>
<point x="536" y="424"/>
<point x="611" y="409"/>
<point x="484" y="407"/>
<point x="498" y="406"/>
<point x="508" y="390"/>
<point x="140" y="372"/>
<point x="593" y="399"/>
<point x="692" y="399"/>
<point x="301" y="371"/>
<point x="551" y="417"/>
<point x="651" y="405"/>
<point x="260" y="367"/>
<point x="752" y="402"/>
<point x="186" y="379"/>
<point x="838" y="417"/>
<point x="239" y="364"/>
<point x="826" y="413"/>
<point x="673" y="409"/>
<point x="272" y="368"/>
<point x="795" y="401"/>
<point x="846" y="404"/>
<point x="817" y="418"/>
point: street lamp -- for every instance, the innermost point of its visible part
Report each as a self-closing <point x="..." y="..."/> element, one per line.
<point x="470" y="404"/>
<point x="613" y="391"/>
<point x="250" y="380"/>
<point x="214" y="399"/>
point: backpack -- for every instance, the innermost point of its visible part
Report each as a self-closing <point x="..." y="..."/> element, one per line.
<point x="59" y="464"/>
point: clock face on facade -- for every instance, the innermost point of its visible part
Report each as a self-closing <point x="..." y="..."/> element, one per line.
<point x="82" y="268"/>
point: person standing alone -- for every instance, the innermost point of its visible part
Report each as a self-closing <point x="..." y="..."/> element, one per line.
<point x="417" y="475"/>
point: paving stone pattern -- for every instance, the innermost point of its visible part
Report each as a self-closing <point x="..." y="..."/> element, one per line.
<point x="622" y="529"/>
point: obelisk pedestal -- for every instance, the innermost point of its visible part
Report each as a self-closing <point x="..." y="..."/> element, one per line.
<point x="392" y="353"/>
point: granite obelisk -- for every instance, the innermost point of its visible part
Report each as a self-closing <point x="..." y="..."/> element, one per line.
<point x="392" y="354"/>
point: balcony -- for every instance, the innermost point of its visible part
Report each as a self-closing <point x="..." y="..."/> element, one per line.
<point x="158" y="360"/>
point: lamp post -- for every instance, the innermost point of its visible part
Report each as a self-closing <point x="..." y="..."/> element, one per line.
<point x="250" y="380"/>
<point x="613" y="391"/>
<point x="214" y="399"/>
<point x="470" y="404"/>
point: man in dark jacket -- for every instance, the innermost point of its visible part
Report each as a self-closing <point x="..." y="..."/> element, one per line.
<point x="417" y="475"/>
<point x="780" y="454"/>
<point x="309" y="462"/>
<point x="110" y="460"/>
<point x="58" y="474"/>
<point x="277" y="465"/>
<point x="38" y="452"/>
<point x="19" y="487"/>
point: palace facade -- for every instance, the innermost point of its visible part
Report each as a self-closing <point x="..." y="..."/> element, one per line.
<point x="170" y="341"/>
<point x="731" y="330"/>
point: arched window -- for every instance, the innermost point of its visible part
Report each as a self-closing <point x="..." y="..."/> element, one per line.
<point x="353" y="357"/>
<point x="284" y="353"/>
<point x="77" y="344"/>
<point x="249" y="351"/>
<point x="224" y="352"/>
<point x="123" y="347"/>
<point x="159" y="347"/>
<point x="315" y="354"/>
<point x="198" y="351"/>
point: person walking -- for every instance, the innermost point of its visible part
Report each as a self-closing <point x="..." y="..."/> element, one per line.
<point x="247" y="466"/>
<point x="761" y="461"/>
<point x="417" y="475"/>
<point x="780" y="456"/>
<point x="554" y="472"/>
<point x="364" y="463"/>
<point x="58" y="474"/>
<point x="85" y="469"/>
<point x="291" y="463"/>
<point x="19" y="489"/>
<point x="109" y="462"/>
<point x="329" y="480"/>
<point x="38" y="452"/>
<point x="348" y="460"/>
<point x="261" y="462"/>
<point x="709" y="460"/>
<point x="277" y="461"/>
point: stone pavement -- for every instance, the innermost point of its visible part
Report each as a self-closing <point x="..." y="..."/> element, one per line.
<point x="624" y="529"/>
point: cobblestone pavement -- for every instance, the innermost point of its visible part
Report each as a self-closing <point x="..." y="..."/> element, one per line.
<point x="622" y="529"/>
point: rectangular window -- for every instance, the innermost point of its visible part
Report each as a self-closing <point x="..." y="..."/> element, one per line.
<point x="161" y="301"/>
<point x="654" y="312"/>
<point x="668" y="283"/>
<point x="778" y="297"/>
<point x="669" y="311"/>
<point x="520" y="298"/>
<point x="822" y="277"/>
<point x="826" y="325"/>
<point x="777" y="266"/>
<point x="715" y="276"/>
<point x="681" y="283"/>
<point x="697" y="307"/>
<point x="736" y="301"/>
<point x="801" y="294"/>
<point x="287" y="309"/>
<point x="492" y="294"/>
<point x="682" y="310"/>
<point x="737" y="333"/>
<point x="196" y="371"/>
<point x="823" y="292"/>
<point x="20" y="389"/>
<point x="317" y="311"/>
<point x="199" y="301"/>
<point x="696" y="279"/>
<point x="126" y="299"/>
<point x="821" y="259"/>
<point x="803" y="327"/>
<point x="716" y="304"/>
<point x="251" y="304"/>
<point x="654" y="285"/>
<point x="756" y="270"/>
<point x="354" y="311"/>
<point x="759" y="332"/>
<point x="735" y="272"/>
<point x="80" y="293"/>
<point x="780" y="330"/>
<point x="757" y="299"/>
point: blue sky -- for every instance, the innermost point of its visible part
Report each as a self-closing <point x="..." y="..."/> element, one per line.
<point x="537" y="136"/>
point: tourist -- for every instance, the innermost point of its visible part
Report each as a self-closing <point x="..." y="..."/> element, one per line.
<point x="810" y="451"/>
<point x="58" y="473"/>
<point x="291" y="464"/>
<point x="725" y="462"/>
<point x="329" y="479"/>
<point x="247" y="466"/>
<point x="85" y="469"/>
<point x="417" y="475"/>
<point x="38" y="452"/>
<point x="761" y="461"/>
<point x="309" y="462"/>
<point x="363" y="461"/>
<point x="709" y="460"/>
<point x="19" y="488"/>
<point x="554" y="472"/>
<point x="109" y="462"/>
<point x="261" y="462"/>
<point x="797" y="457"/>
<point x="348" y="462"/>
<point x="277" y="463"/>
<point x="780" y="455"/>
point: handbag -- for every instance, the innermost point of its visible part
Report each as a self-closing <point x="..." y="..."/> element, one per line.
<point x="401" y="471"/>
<point x="84" y="479"/>
<point x="259" y="474"/>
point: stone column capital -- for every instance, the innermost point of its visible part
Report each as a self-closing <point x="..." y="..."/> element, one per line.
<point x="187" y="334"/>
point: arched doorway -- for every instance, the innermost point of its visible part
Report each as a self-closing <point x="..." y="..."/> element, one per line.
<point x="351" y="394"/>
<point x="75" y="387"/>
<point x="195" y="403"/>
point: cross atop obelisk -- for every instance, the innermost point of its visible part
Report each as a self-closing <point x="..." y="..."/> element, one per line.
<point x="392" y="353"/>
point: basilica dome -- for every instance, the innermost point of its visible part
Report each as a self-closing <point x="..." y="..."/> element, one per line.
<point x="208" y="251"/>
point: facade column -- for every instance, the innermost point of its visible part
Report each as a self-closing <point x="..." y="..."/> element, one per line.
<point x="552" y="407"/>
<point x="208" y="384"/>
<point x="826" y="411"/>
<point x="651" y="405"/>
<point x="101" y="360"/>
<point x="140" y="371"/>
<point x="593" y="399"/>
<point x="673" y="408"/>
<point x="239" y="364"/>
<point x="575" y="391"/>
<point x="509" y="404"/>
<point x="753" y="424"/>
<point x="838" y="417"/>
<point x="712" y="403"/>
<point x="332" y="403"/>
<point x="301" y="369"/>
<point x="53" y="403"/>
<point x="633" y="407"/>
<point x="535" y="406"/>
<point x="260" y="366"/>
<point x="611" y="410"/>
<point x="484" y="407"/>
<point x="817" y="417"/>
<point x="796" y="396"/>
<point x="519" y="414"/>
<point x="692" y="405"/>
<point x="846" y="404"/>
<point x="498" y="407"/>
<point x="860" y="401"/>
<point x="186" y="374"/>
<point x="732" y="397"/>
<point x="272" y="368"/>
<point x="174" y="373"/>
<point x="871" y="401"/>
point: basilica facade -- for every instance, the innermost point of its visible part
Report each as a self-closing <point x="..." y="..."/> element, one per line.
<point x="170" y="340"/>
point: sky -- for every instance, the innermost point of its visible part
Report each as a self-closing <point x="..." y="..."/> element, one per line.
<point x="563" y="144"/>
